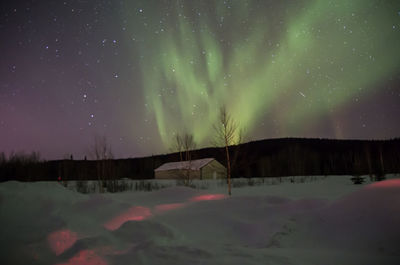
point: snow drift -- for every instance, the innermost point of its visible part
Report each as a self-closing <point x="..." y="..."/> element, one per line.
<point x="326" y="222"/>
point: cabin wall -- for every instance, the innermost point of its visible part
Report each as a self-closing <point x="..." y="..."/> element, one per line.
<point x="214" y="166"/>
<point x="176" y="174"/>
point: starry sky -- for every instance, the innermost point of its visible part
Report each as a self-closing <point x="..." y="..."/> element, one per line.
<point x="138" y="72"/>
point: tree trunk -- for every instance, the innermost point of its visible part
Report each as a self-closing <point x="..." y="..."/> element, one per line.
<point x="368" y="154"/>
<point x="381" y="159"/>
<point x="228" y="163"/>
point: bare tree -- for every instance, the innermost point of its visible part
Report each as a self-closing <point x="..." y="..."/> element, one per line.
<point x="381" y="174"/>
<point x="101" y="152"/>
<point x="3" y="158"/>
<point x="188" y="145"/>
<point x="185" y="144"/>
<point x="226" y="134"/>
<point x="368" y="156"/>
<point x="241" y="137"/>
<point x="177" y="145"/>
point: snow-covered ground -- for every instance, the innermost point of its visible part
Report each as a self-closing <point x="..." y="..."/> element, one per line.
<point x="328" y="221"/>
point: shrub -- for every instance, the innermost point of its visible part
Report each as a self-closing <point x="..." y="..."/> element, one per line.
<point x="379" y="176"/>
<point x="357" y="179"/>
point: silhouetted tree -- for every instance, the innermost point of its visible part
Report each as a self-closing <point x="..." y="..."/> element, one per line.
<point x="3" y="158"/>
<point x="368" y="157"/>
<point x="101" y="151"/>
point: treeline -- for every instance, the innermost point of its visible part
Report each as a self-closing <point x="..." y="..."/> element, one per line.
<point x="265" y="158"/>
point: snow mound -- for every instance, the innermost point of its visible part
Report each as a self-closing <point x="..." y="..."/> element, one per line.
<point x="329" y="222"/>
<point x="366" y="220"/>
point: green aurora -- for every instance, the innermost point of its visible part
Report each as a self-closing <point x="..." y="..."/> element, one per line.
<point x="292" y="61"/>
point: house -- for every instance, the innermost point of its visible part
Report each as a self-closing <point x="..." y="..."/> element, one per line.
<point x="206" y="168"/>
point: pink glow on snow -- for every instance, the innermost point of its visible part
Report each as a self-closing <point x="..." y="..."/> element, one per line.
<point x="110" y="250"/>
<point x="61" y="240"/>
<point x="161" y="208"/>
<point x="390" y="183"/>
<point x="208" y="197"/>
<point x="86" y="257"/>
<point x="137" y="213"/>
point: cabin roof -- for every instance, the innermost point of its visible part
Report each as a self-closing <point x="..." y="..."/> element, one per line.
<point x="193" y="164"/>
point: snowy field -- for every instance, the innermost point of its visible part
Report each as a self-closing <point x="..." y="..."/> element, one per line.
<point x="325" y="221"/>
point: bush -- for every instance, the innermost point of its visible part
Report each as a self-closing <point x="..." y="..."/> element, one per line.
<point x="357" y="179"/>
<point x="82" y="186"/>
<point x="379" y="177"/>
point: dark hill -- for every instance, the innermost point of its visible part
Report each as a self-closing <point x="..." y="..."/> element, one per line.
<point x="264" y="158"/>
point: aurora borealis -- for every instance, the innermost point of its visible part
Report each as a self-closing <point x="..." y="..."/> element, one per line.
<point x="141" y="71"/>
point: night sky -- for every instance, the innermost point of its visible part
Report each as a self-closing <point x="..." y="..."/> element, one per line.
<point x="138" y="72"/>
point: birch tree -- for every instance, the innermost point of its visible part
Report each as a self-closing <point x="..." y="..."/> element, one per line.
<point x="226" y="134"/>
